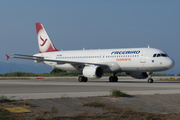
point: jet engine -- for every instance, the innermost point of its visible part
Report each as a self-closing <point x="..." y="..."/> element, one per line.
<point x="93" y="71"/>
<point x="138" y="75"/>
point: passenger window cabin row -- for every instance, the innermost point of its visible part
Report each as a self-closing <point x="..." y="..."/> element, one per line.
<point x="113" y="56"/>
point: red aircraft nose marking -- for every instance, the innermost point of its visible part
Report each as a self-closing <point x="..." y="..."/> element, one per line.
<point x="44" y="41"/>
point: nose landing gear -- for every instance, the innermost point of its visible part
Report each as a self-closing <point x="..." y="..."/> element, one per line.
<point x="150" y="80"/>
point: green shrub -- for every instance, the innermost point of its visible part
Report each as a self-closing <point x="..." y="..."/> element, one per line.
<point x="53" y="112"/>
<point x="118" y="93"/>
<point x="23" y="74"/>
<point x="4" y="99"/>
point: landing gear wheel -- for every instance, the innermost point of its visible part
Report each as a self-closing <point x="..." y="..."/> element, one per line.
<point x="113" y="79"/>
<point x="150" y="80"/>
<point x="82" y="79"/>
<point x="85" y="79"/>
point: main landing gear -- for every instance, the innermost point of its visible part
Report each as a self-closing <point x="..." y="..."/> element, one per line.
<point x="82" y="79"/>
<point x="113" y="78"/>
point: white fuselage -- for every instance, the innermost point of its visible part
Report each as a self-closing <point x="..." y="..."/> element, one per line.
<point x="117" y="60"/>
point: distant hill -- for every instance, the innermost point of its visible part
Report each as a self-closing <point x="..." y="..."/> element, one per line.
<point x="18" y="67"/>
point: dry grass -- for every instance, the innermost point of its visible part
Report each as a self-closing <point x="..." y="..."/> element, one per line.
<point x="38" y="118"/>
<point x="80" y="114"/>
<point x="114" y="113"/>
<point x="23" y="103"/>
<point x="111" y="113"/>
<point x="80" y="98"/>
<point x="53" y="112"/>
<point x="41" y="112"/>
<point x="94" y="104"/>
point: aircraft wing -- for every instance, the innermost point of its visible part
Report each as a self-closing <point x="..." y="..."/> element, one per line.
<point x="42" y="59"/>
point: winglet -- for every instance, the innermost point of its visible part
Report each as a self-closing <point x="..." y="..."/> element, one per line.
<point x="7" y="56"/>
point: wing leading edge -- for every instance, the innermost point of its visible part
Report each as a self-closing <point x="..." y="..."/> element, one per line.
<point x="42" y="59"/>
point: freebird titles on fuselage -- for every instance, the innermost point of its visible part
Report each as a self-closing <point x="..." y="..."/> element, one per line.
<point x="126" y="52"/>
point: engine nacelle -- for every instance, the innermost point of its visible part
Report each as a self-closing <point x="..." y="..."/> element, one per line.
<point x="93" y="71"/>
<point x="138" y="75"/>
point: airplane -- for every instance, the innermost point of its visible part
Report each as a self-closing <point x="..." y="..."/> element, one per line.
<point x="139" y="63"/>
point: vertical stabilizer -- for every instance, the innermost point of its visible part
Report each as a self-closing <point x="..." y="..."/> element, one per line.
<point x="44" y="42"/>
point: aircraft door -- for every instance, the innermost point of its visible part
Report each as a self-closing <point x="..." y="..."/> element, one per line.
<point x="143" y="56"/>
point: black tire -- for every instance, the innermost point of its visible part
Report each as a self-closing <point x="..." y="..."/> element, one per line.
<point x="115" y="79"/>
<point x="80" y="78"/>
<point x="111" y="79"/>
<point x="85" y="79"/>
<point x="150" y="80"/>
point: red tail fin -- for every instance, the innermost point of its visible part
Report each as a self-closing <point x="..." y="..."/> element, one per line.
<point x="44" y="42"/>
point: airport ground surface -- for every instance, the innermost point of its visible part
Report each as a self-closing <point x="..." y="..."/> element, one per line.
<point x="56" y="87"/>
<point x="68" y="95"/>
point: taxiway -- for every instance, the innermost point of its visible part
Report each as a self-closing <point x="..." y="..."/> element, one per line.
<point x="69" y="87"/>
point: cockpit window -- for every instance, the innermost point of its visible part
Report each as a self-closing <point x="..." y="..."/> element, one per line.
<point x="164" y="55"/>
<point x="154" y="55"/>
<point x="160" y="55"/>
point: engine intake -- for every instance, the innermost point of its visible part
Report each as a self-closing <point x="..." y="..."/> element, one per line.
<point x="93" y="71"/>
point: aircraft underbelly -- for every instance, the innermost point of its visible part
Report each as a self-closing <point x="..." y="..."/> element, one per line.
<point x="66" y="67"/>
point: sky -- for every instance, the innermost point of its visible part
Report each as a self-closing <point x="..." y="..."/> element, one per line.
<point x="90" y="24"/>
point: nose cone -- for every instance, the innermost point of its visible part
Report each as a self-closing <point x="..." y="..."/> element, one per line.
<point x="170" y="63"/>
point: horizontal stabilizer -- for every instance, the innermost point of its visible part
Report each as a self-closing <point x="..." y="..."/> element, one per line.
<point x="28" y="55"/>
<point x="7" y="57"/>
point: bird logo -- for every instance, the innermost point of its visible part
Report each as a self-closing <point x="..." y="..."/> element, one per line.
<point x="44" y="41"/>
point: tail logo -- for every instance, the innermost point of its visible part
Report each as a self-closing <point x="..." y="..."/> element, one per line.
<point x="44" y="41"/>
